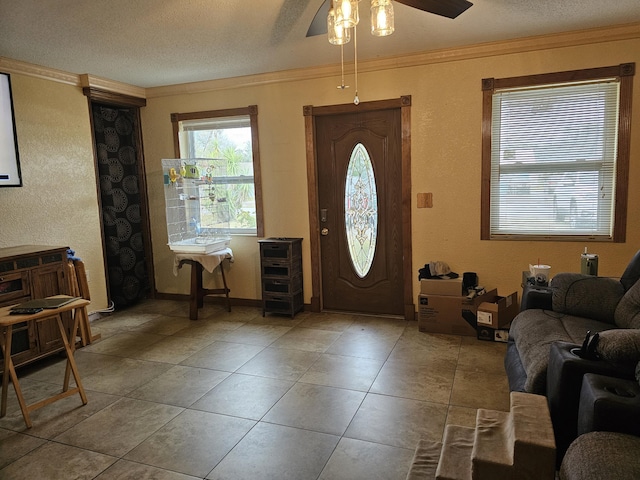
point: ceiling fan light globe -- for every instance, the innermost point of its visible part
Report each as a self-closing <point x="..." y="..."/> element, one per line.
<point x="382" y="18"/>
<point x="336" y="33"/>
<point x="347" y="13"/>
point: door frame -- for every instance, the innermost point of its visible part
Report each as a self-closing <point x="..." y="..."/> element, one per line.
<point x="310" y="113"/>
<point x="97" y="95"/>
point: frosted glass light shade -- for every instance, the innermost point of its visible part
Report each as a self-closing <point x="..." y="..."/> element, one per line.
<point x="382" y="21"/>
<point x="337" y="34"/>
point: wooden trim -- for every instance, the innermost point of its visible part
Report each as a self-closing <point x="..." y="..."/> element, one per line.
<point x="118" y="99"/>
<point x="625" y="73"/>
<point x="622" y="165"/>
<point x="314" y="220"/>
<point x="252" y="112"/>
<point x="310" y="112"/>
<point x="407" y="245"/>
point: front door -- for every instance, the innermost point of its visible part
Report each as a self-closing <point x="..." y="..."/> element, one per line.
<point x="360" y="210"/>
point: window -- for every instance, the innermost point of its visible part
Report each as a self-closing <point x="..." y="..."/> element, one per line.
<point x="555" y="155"/>
<point x="230" y="137"/>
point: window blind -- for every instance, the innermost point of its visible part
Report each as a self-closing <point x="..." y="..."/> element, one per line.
<point x="553" y="159"/>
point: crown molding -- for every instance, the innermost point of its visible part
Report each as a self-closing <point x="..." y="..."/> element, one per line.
<point x="521" y="45"/>
<point x="91" y="81"/>
<point x="23" y="68"/>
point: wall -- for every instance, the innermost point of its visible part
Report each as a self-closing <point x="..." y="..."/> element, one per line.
<point x="55" y="144"/>
<point x="446" y="148"/>
<point x="58" y="203"/>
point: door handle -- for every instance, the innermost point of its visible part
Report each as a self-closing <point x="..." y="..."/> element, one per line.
<point x="324" y="232"/>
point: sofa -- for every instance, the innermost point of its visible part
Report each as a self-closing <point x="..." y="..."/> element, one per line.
<point x="579" y="303"/>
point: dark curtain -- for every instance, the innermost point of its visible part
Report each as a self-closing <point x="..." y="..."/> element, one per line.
<point x="115" y="131"/>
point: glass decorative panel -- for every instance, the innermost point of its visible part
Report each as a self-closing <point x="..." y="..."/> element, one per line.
<point x="361" y="210"/>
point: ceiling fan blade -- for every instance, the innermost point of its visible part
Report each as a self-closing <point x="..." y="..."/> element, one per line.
<point x="444" y="8"/>
<point x="319" y="23"/>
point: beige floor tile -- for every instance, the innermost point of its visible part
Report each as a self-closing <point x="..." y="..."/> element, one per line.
<point x="57" y="417"/>
<point x="15" y="445"/>
<point x="172" y="349"/>
<point x="426" y="349"/>
<point x="54" y="461"/>
<point x="343" y="372"/>
<point x="275" y="452"/>
<point x="256" y="334"/>
<point x="245" y="396"/>
<point x="180" y="386"/>
<point x="192" y="443"/>
<point x="364" y="346"/>
<point x="125" y="344"/>
<point x="121" y="376"/>
<point x="317" y="408"/>
<point x="431" y="383"/>
<point x="480" y="356"/>
<point x="223" y="356"/>
<point x="120" y="427"/>
<point x="480" y="390"/>
<point x="125" y="470"/>
<point x="334" y="322"/>
<point x="163" y="325"/>
<point x="307" y="339"/>
<point x="280" y="363"/>
<point x="359" y="460"/>
<point x="381" y="326"/>
<point x="210" y="329"/>
<point x="398" y="422"/>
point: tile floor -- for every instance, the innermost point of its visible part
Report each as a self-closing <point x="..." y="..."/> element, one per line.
<point x="241" y="396"/>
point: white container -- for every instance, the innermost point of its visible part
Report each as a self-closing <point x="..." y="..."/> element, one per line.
<point x="541" y="273"/>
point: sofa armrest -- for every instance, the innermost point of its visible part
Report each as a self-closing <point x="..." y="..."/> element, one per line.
<point x="586" y="296"/>
<point x="564" y="382"/>
<point x="609" y="404"/>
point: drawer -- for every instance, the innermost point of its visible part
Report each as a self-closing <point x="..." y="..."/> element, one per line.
<point x="287" y="287"/>
<point x="281" y="249"/>
<point x="289" y="304"/>
<point x="14" y="287"/>
<point x="280" y="269"/>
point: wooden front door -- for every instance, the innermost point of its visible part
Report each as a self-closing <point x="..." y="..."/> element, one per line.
<point x="360" y="215"/>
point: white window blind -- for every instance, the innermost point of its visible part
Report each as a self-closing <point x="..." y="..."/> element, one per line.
<point x="553" y="160"/>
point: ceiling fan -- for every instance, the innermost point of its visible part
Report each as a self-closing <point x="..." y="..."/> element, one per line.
<point x="444" y="8"/>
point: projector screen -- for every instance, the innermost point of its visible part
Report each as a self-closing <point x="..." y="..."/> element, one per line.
<point x="9" y="160"/>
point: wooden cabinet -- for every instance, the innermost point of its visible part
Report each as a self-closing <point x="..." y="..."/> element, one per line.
<point x="32" y="271"/>
<point x="281" y="275"/>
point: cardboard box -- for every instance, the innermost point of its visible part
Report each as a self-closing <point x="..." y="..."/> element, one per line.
<point x="498" y="311"/>
<point x="451" y="287"/>
<point x="449" y="314"/>
<point x="493" y="334"/>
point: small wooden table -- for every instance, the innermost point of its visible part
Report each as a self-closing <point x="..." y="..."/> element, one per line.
<point x="6" y="325"/>
<point x="200" y="262"/>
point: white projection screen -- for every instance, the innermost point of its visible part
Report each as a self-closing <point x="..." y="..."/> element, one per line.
<point x="10" y="175"/>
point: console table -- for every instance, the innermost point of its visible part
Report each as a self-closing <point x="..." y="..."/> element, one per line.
<point x="7" y="322"/>
<point x="200" y="262"/>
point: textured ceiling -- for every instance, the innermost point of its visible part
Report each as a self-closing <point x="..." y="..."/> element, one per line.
<point x="150" y="43"/>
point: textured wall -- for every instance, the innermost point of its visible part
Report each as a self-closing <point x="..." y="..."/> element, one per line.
<point x="58" y="203"/>
<point x="446" y="160"/>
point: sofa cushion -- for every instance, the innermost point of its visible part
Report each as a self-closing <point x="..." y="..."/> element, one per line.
<point x="586" y="296"/>
<point x="602" y="455"/>
<point x="533" y="332"/>
<point x="632" y="272"/>
<point x="620" y="345"/>
<point x="627" y="314"/>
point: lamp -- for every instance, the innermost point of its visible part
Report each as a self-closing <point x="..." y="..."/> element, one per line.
<point x="343" y="16"/>
<point x="382" y="23"/>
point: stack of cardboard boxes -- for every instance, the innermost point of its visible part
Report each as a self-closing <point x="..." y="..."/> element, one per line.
<point x="444" y="308"/>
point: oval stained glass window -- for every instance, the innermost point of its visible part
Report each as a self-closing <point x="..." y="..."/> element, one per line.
<point x="361" y="210"/>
